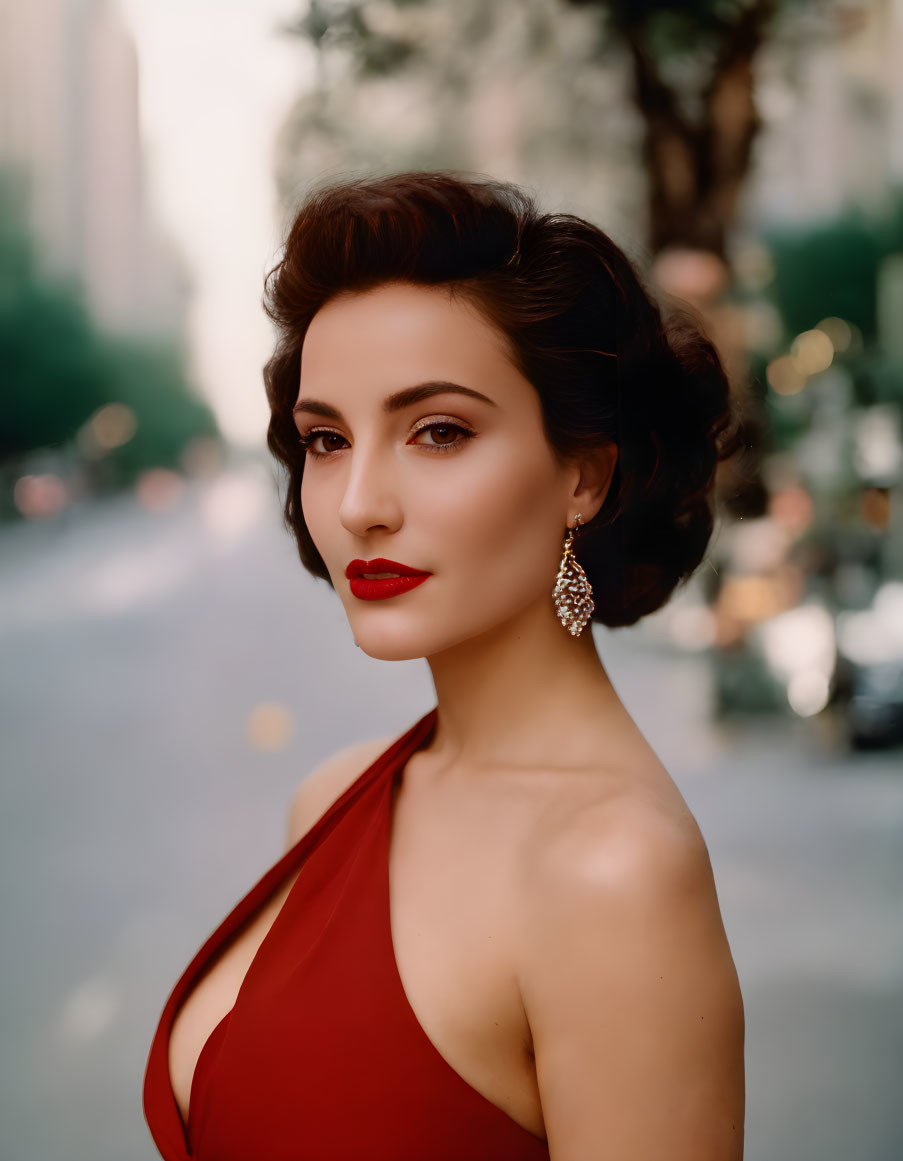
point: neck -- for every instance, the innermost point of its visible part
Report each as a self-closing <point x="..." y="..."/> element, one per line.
<point x="525" y="694"/>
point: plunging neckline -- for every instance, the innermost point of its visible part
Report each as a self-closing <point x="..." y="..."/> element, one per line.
<point x="390" y="764"/>
<point x="280" y="874"/>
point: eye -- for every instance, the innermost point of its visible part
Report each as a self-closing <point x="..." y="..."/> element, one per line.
<point x="443" y="429"/>
<point x="307" y="442"/>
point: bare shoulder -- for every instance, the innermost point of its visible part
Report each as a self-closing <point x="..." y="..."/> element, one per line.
<point x="622" y="839"/>
<point x="629" y="985"/>
<point x="328" y="781"/>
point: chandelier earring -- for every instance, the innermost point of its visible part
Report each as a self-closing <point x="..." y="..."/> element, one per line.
<point x="573" y="594"/>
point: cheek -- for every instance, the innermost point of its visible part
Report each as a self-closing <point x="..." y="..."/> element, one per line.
<point x="319" y="515"/>
<point x="494" y="526"/>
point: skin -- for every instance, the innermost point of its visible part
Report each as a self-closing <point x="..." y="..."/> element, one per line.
<point x="553" y="909"/>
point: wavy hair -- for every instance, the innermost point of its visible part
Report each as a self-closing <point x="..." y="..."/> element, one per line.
<point x="581" y="327"/>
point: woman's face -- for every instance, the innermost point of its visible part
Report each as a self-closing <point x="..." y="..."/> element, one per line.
<point x="462" y="484"/>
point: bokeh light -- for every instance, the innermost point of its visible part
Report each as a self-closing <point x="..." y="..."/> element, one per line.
<point x="874" y="505"/>
<point x="269" y="726"/>
<point x="158" y="489"/>
<point x="784" y="376"/>
<point x="39" y="497"/>
<point x="811" y="352"/>
<point x="109" y="427"/>
<point x="838" y="331"/>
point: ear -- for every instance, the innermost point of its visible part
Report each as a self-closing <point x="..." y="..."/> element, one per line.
<point x="594" y="470"/>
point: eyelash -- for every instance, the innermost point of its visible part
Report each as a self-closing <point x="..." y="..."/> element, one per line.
<point x="307" y="439"/>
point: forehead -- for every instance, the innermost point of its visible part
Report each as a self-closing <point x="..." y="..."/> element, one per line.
<point x="401" y="331"/>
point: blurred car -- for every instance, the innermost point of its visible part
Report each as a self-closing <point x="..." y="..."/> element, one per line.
<point x="870" y="670"/>
<point x="811" y="657"/>
<point x="872" y="704"/>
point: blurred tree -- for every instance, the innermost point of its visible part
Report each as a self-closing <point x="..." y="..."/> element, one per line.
<point x="691" y="69"/>
<point x="149" y="379"/>
<point x="54" y="373"/>
<point x="698" y="137"/>
<point x="58" y="369"/>
<point x="831" y="268"/>
<point x="508" y="88"/>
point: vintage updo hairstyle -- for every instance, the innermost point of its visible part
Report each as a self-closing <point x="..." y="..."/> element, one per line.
<point x="581" y="328"/>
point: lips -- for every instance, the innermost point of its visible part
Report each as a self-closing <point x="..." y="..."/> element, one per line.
<point x="380" y="564"/>
<point x="377" y="590"/>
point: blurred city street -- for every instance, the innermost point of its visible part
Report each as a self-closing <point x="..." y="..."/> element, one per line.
<point x="169" y="676"/>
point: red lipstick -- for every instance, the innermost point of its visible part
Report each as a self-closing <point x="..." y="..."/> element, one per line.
<point x="376" y="590"/>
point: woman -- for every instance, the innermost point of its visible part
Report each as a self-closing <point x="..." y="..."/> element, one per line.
<point x="496" y="936"/>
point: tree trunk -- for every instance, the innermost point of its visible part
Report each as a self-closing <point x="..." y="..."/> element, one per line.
<point x="696" y="171"/>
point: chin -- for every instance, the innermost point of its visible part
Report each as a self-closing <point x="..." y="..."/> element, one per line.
<point x="400" y="634"/>
<point x="415" y="639"/>
<point x="401" y="643"/>
<point x="390" y="651"/>
<point x="397" y="637"/>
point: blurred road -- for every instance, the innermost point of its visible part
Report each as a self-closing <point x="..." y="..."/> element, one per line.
<point x="135" y="812"/>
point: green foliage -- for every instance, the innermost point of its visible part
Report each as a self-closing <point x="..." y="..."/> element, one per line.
<point x="831" y="268"/>
<point x="58" y="368"/>
<point x="55" y="372"/>
<point x="344" y="22"/>
<point x="149" y="379"/>
<point x="878" y="379"/>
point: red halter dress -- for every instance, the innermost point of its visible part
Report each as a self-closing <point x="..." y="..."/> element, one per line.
<point x="322" y="1057"/>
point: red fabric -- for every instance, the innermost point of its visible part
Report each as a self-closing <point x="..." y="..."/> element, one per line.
<point x="322" y="1058"/>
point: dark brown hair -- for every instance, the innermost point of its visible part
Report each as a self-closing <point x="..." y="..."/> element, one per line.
<point x="581" y="327"/>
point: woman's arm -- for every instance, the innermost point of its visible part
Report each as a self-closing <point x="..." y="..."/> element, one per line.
<point x="632" y="994"/>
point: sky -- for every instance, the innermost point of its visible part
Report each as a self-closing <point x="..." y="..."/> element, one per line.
<point x="216" y="80"/>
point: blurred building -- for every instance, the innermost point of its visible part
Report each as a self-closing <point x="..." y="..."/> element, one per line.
<point x="69" y="121"/>
<point x="831" y="94"/>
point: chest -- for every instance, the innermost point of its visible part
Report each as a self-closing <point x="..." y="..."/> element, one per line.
<point x="452" y="871"/>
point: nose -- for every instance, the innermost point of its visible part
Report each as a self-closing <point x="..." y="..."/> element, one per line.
<point x="370" y="499"/>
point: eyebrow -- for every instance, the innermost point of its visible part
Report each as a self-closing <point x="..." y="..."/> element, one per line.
<point x="398" y="400"/>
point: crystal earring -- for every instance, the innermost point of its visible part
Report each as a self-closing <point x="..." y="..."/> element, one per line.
<point x="573" y="594"/>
